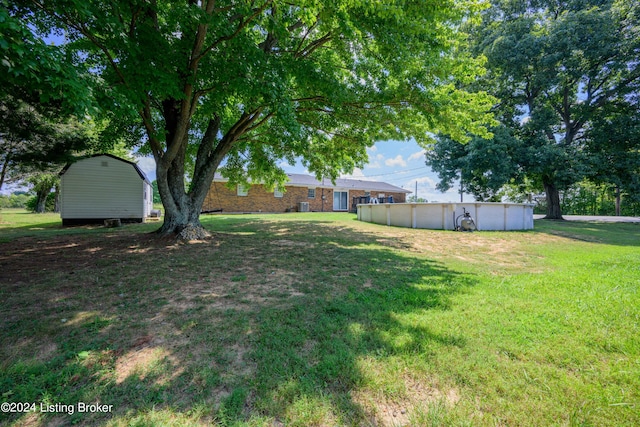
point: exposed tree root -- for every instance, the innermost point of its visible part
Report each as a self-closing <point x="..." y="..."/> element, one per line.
<point x="193" y="232"/>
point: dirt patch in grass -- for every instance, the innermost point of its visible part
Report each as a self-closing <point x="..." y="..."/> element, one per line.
<point x="411" y="397"/>
<point x="291" y="243"/>
<point x="137" y="362"/>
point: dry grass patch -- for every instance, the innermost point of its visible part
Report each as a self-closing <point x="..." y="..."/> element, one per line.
<point x="411" y="398"/>
<point x="501" y="252"/>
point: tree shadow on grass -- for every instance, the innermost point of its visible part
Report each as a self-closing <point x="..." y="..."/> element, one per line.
<point x="273" y="322"/>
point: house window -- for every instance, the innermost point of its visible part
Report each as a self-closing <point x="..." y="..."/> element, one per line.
<point x="311" y="193"/>
<point x="242" y="190"/>
<point x="340" y="200"/>
<point x="277" y="192"/>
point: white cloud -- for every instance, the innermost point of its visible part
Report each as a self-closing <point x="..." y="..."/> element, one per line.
<point x="430" y="182"/>
<point x="433" y="195"/>
<point x="396" y="161"/>
<point x="425" y="183"/>
<point x="374" y="165"/>
<point x="357" y="174"/>
<point x="373" y="149"/>
<point x="427" y="190"/>
<point x="416" y="156"/>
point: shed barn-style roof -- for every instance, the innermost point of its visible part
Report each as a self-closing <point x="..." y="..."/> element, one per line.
<point x="135" y="166"/>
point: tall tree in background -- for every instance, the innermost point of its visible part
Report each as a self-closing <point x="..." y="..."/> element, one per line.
<point x="483" y="166"/>
<point x="32" y="142"/>
<point x="42" y="185"/>
<point x="41" y="96"/>
<point x="616" y="162"/>
<point x="254" y="82"/>
<point x="556" y="66"/>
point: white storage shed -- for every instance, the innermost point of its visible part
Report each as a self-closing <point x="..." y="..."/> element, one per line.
<point x="104" y="187"/>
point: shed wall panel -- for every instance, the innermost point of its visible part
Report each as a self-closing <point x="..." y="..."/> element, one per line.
<point x="89" y="189"/>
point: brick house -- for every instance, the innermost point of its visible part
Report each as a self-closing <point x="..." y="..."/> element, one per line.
<point x="301" y="193"/>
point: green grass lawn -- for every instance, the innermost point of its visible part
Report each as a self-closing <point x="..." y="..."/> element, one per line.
<point x="320" y="320"/>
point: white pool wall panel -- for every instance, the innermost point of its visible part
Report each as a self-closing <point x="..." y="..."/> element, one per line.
<point x="442" y="216"/>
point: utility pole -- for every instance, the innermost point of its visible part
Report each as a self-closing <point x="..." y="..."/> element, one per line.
<point x="416" y="193"/>
<point x="322" y="197"/>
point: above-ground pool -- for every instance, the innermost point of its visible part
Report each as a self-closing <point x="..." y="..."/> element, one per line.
<point x="445" y="216"/>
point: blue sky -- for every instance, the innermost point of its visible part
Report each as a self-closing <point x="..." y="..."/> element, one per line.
<point x="400" y="163"/>
<point x="395" y="162"/>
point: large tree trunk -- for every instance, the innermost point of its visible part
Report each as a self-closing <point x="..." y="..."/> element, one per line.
<point x="184" y="222"/>
<point x="182" y="209"/>
<point x="3" y="171"/>
<point x="554" y="211"/>
<point x="41" y="200"/>
<point x="182" y="214"/>
<point x="618" y="201"/>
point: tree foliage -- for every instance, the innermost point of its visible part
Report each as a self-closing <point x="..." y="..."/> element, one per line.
<point x="557" y="68"/>
<point x="41" y="96"/>
<point x="616" y="163"/>
<point x="32" y="141"/>
<point x="14" y="200"/>
<point x="42" y="185"/>
<point x="588" y="198"/>
<point x="246" y="84"/>
<point x="40" y="74"/>
<point x="483" y="165"/>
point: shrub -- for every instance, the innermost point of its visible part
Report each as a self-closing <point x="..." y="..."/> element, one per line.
<point x="50" y="205"/>
<point x="16" y="200"/>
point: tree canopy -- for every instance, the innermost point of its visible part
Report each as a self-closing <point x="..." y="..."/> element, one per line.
<point x="247" y="84"/>
<point x="557" y="68"/>
<point x="482" y="165"/>
<point x="41" y="97"/>
<point x="616" y="162"/>
<point x="32" y="141"/>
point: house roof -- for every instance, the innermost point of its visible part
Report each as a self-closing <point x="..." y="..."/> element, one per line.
<point x="302" y="180"/>
<point x="135" y="166"/>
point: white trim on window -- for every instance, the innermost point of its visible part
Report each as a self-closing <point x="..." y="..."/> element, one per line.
<point x="243" y="190"/>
